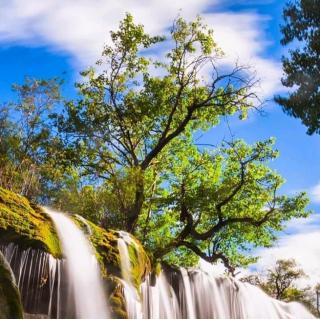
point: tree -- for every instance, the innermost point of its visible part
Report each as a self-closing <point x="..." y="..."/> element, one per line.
<point x="281" y="280"/>
<point x="26" y="137"/>
<point x="218" y="204"/>
<point x="132" y="128"/>
<point x="302" y="67"/>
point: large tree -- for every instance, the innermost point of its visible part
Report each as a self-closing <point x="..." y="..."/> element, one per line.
<point x="302" y="67"/>
<point x="132" y="131"/>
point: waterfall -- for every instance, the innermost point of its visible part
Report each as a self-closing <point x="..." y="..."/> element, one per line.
<point x="196" y="294"/>
<point x="84" y="279"/>
<point x="131" y="296"/>
<point x="71" y="288"/>
<point x="37" y="275"/>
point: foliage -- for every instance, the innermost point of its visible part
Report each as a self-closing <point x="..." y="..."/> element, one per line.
<point x="302" y="67"/>
<point x="281" y="279"/>
<point x="131" y="132"/>
<point x="127" y="116"/>
<point x="218" y="205"/>
<point x="26" y="137"/>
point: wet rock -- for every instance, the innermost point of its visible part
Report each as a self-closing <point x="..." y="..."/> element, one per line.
<point x="10" y="303"/>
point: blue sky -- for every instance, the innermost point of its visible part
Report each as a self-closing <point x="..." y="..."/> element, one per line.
<point x="59" y="38"/>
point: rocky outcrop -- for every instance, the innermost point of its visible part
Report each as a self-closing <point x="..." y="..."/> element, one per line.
<point x="10" y="303"/>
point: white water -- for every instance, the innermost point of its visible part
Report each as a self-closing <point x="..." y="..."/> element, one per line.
<point x="82" y="269"/>
<point x="200" y="295"/>
<point x="131" y="296"/>
<point x="35" y="271"/>
<point x="184" y="294"/>
<point x="160" y="301"/>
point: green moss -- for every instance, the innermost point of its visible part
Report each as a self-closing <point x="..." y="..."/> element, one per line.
<point x="26" y="224"/>
<point x="116" y="300"/>
<point x="10" y="303"/>
<point x="140" y="262"/>
<point x="106" y="246"/>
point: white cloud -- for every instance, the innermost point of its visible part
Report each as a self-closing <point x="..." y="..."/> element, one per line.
<point x="80" y="28"/>
<point x="242" y="38"/>
<point x="302" y="245"/>
<point x="315" y="193"/>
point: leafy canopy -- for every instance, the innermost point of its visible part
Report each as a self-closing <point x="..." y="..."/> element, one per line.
<point x="302" y="68"/>
<point x="132" y="130"/>
<point x="26" y="137"/>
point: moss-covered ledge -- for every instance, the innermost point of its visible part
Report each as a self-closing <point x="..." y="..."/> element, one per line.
<point x="25" y="224"/>
<point x="105" y="243"/>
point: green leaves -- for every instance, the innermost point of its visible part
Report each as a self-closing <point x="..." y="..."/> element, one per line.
<point x="301" y="67"/>
<point x="26" y="137"/>
<point x="223" y="202"/>
<point x="131" y="132"/>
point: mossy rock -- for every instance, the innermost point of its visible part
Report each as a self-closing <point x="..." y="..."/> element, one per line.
<point x="10" y="303"/>
<point x="116" y="299"/>
<point x="25" y="224"/>
<point x="106" y="246"/>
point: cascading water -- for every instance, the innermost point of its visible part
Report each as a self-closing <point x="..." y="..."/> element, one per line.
<point x="196" y="294"/>
<point x="133" y="304"/>
<point x="37" y="275"/>
<point x="84" y="279"/>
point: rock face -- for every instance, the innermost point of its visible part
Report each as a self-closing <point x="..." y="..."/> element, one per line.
<point x="10" y="304"/>
<point x="27" y="226"/>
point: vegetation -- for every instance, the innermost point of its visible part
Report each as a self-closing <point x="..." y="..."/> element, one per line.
<point x="27" y="137"/>
<point x="124" y="153"/>
<point x="28" y="226"/>
<point x="302" y="67"/>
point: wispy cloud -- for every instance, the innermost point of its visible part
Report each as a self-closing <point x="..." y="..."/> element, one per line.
<point x="302" y="244"/>
<point x="81" y="27"/>
<point x="315" y="193"/>
<point x="242" y="38"/>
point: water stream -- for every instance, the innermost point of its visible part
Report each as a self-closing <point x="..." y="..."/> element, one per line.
<point x="84" y="278"/>
<point x="196" y="294"/>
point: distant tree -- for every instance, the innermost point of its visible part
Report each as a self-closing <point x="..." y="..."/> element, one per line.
<point x="131" y="132"/>
<point x="302" y="67"/>
<point x="26" y="137"/>
<point x="282" y="278"/>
